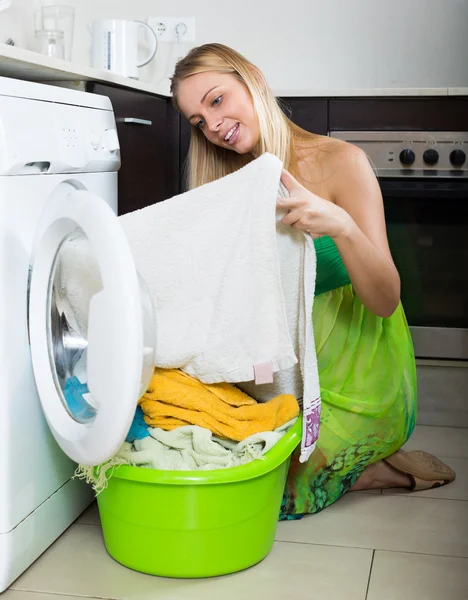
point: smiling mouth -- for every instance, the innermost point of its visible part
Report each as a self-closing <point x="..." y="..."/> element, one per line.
<point x="232" y="134"/>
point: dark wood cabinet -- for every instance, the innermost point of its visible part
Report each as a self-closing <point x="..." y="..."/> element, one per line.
<point x="444" y="113"/>
<point x="149" y="146"/>
<point x="309" y="113"/>
<point x="184" y="141"/>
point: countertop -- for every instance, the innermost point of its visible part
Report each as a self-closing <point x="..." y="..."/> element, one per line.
<point x="32" y="66"/>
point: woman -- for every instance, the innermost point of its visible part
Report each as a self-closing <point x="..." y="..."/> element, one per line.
<point x="364" y="349"/>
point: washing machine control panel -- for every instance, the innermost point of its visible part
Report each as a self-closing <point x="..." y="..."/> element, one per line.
<point x="60" y="138"/>
<point x="104" y="140"/>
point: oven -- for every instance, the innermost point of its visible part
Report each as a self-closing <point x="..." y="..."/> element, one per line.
<point x="424" y="181"/>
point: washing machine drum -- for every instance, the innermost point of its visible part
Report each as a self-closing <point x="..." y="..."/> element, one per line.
<point x="91" y="327"/>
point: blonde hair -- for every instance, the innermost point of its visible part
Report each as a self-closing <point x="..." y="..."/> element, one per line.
<point x="278" y="135"/>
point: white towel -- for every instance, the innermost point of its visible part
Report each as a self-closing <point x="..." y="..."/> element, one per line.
<point x="210" y="260"/>
<point x="298" y="273"/>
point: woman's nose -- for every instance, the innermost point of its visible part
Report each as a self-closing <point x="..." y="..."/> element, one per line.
<point x="214" y="125"/>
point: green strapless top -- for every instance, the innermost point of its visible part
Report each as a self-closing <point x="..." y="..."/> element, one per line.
<point x="331" y="272"/>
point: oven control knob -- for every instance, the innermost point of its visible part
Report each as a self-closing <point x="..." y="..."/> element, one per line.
<point x="407" y="157"/>
<point x="431" y="156"/>
<point x="457" y="158"/>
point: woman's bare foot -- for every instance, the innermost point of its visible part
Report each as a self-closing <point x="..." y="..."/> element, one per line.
<point x="380" y="476"/>
<point x="415" y="470"/>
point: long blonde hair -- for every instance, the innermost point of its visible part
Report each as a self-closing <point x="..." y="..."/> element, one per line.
<point x="278" y="135"/>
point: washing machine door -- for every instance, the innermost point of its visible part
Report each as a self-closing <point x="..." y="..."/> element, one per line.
<point x="91" y="326"/>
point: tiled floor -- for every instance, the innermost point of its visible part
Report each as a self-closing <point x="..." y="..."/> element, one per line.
<point x="391" y="546"/>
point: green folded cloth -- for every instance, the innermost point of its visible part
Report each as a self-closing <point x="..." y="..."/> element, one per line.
<point x="186" y="448"/>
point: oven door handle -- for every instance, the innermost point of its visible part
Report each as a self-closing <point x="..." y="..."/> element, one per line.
<point x="440" y="188"/>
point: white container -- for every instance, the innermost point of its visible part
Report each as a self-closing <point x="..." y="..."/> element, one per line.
<point x="60" y="18"/>
<point x="115" y="46"/>
<point x="51" y="43"/>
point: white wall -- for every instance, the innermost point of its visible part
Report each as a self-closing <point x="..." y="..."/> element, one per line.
<point x="299" y="44"/>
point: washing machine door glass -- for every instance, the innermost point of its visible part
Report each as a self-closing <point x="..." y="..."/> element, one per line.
<point x="91" y="326"/>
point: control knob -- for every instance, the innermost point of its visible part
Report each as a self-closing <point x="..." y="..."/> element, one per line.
<point x="111" y="140"/>
<point x="95" y="139"/>
<point x="431" y="156"/>
<point x="407" y="156"/>
<point x="457" y="157"/>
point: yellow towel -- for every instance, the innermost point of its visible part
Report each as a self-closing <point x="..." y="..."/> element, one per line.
<point x="175" y="399"/>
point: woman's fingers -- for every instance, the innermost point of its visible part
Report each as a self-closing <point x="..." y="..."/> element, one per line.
<point x="292" y="217"/>
<point x="289" y="182"/>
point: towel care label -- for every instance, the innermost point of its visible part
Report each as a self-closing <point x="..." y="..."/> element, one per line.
<point x="263" y="372"/>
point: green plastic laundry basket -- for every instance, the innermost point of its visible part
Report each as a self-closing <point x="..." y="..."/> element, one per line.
<point x="196" y="523"/>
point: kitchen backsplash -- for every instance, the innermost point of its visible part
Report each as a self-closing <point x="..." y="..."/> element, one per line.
<point x="303" y="44"/>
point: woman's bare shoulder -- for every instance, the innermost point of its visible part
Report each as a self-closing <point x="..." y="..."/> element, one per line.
<point x="329" y="151"/>
<point x="320" y="161"/>
<point x="325" y="161"/>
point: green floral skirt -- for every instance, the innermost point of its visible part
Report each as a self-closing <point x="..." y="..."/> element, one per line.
<point x="368" y="385"/>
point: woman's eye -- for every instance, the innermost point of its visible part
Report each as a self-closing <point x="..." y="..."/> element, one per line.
<point x="200" y="123"/>
<point x="217" y="101"/>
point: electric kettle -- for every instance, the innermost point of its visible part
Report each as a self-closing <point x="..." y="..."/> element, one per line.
<point x="115" y="46"/>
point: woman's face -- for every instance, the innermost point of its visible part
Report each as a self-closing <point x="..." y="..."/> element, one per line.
<point x="221" y="106"/>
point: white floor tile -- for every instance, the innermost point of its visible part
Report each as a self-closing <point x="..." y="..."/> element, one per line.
<point x="400" y="576"/>
<point x="442" y="395"/>
<point x="296" y="571"/>
<point x="451" y="442"/>
<point x="77" y="564"/>
<point x="386" y="522"/>
<point x="441" y="416"/>
<point x="457" y="490"/>
<point x="90" y="516"/>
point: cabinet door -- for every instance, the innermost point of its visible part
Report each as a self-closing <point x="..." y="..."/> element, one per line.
<point x="185" y="133"/>
<point x="148" y="129"/>
<point x="308" y="113"/>
<point x="443" y="113"/>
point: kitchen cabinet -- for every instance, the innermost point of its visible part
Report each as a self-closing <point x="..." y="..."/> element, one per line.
<point x="184" y="143"/>
<point x="322" y="115"/>
<point x="148" y="129"/>
<point x="309" y="113"/>
<point x="398" y="114"/>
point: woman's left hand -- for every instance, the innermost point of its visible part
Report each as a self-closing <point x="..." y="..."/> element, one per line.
<point x="311" y="213"/>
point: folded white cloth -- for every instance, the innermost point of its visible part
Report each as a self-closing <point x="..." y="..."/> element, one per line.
<point x="192" y="447"/>
<point x="210" y="260"/>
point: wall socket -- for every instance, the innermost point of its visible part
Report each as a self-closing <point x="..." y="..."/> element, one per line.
<point x="165" y="28"/>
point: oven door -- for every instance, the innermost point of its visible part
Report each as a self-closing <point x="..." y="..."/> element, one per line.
<point x="428" y="236"/>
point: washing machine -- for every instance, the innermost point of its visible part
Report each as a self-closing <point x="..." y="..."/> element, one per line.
<point x="73" y="312"/>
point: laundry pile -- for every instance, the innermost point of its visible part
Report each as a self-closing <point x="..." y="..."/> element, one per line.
<point x="183" y="424"/>
<point x="232" y="289"/>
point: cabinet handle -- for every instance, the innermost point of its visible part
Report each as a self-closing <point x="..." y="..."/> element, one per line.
<point x="134" y="121"/>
